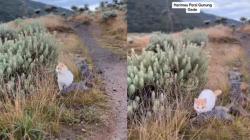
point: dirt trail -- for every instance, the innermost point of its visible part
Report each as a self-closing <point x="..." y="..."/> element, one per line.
<point x="114" y="72"/>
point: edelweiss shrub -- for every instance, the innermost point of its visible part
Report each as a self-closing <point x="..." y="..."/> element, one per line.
<point x="161" y="40"/>
<point x="33" y="49"/>
<point x="122" y="7"/>
<point x="195" y="36"/>
<point x="30" y="29"/>
<point x="6" y="33"/>
<point x="19" y="21"/>
<point x="167" y="68"/>
<point x="106" y="15"/>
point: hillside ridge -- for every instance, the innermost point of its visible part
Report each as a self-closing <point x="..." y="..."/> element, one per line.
<point x="12" y="9"/>
<point x="157" y="15"/>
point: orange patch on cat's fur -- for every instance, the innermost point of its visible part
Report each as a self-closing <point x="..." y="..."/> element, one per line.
<point x="200" y="102"/>
<point x="203" y="102"/>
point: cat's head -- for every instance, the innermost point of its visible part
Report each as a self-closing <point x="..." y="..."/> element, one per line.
<point x="199" y="104"/>
<point x="61" y="68"/>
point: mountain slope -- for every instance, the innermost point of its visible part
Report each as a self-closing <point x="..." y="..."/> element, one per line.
<point x="157" y="15"/>
<point x="12" y="9"/>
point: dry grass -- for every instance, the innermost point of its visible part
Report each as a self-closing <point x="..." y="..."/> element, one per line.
<point x="218" y="31"/>
<point x="221" y="60"/>
<point x="217" y="130"/>
<point x="55" y="23"/>
<point x="37" y="111"/>
<point x="51" y="22"/>
<point x="220" y="34"/>
<point x="138" y="42"/>
<point x="172" y="123"/>
<point x="167" y="127"/>
<point x="83" y="18"/>
<point x="245" y="29"/>
<point x="113" y="33"/>
<point x="224" y="53"/>
<point x="118" y="26"/>
<point x="88" y="98"/>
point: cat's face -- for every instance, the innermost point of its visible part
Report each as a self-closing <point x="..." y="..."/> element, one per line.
<point x="61" y="67"/>
<point x="199" y="104"/>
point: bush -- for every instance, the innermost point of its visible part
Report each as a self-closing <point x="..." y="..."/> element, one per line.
<point x="194" y="36"/>
<point x="108" y="15"/>
<point x="122" y="7"/>
<point x="32" y="29"/>
<point x="166" y="69"/>
<point x="19" y="22"/>
<point x="7" y="33"/>
<point x="34" y="48"/>
<point x="161" y="40"/>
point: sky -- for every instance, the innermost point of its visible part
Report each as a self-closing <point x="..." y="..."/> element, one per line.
<point x="233" y="9"/>
<point x="68" y="3"/>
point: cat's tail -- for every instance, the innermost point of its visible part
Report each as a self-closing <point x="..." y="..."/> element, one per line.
<point x="217" y="92"/>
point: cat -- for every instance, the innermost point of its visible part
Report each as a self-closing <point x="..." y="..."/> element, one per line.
<point x="206" y="101"/>
<point x="64" y="76"/>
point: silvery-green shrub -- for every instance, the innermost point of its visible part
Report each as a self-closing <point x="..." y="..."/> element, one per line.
<point x="6" y="33"/>
<point x="106" y="15"/>
<point x="34" y="48"/>
<point x="195" y="36"/>
<point x="164" y="68"/>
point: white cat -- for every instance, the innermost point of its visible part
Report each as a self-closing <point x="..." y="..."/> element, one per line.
<point x="206" y="101"/>
<point x="64" y="76"/>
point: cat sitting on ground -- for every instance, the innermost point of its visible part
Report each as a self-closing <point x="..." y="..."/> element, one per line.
<point x="64" y="76"/>
<point x="206" y="101"/>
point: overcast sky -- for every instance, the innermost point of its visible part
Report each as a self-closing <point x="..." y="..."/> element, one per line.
<point x="233" y="9"/>
<point x="68" y="3"/>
